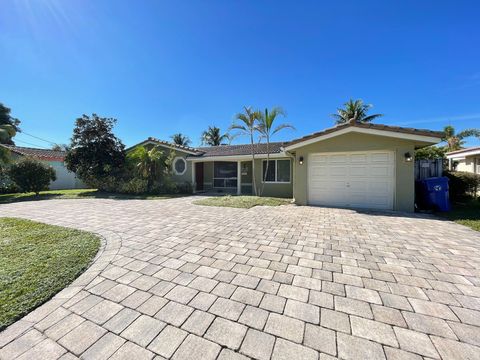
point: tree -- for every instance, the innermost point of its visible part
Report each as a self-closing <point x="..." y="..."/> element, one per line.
<point x="31" y="175"/>
<point x="456" y="141"/>
<point x="181" y="139"/>
<point x="96" y="155"/>
<point x="267" y="130"/>
<point x="430" y="153"/>
<point x="8" y="125"/>
<point x="213" y="137"/>
<point x="60" y="147"/>
<point x="248" y="126"/>
<point x="150" y="165"/>
<point x="354" y="111"/>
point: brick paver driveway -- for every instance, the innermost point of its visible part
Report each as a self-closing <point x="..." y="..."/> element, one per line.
<point x="177" y="280"/>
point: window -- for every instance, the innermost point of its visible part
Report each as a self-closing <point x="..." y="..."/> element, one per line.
<point x="278" y="171"/>
<point x="224" y="174"/>
<point x="179" y="166"/>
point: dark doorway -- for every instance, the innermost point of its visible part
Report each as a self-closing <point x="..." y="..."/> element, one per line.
<point x="199" y="175"/>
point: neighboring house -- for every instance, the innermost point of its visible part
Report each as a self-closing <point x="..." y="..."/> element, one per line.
<point x="467" y="159"/>
<point x="349" y="165"/>
<point x="53" y="158"/>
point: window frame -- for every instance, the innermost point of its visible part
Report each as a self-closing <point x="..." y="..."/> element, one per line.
<point x="175" y="162"/>
<point x="276" y="172"/>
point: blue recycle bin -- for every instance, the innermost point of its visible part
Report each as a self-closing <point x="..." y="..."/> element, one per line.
<point x="433" y="193"/>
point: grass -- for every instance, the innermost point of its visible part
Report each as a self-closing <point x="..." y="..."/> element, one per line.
<point x="78" y="194"/>
<point x="37" y="261"/>
<point x="466" y="213"/>
<point x="245" y="202"/>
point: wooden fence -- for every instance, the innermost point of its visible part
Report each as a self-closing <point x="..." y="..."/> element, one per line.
<point x="428" y="168"/>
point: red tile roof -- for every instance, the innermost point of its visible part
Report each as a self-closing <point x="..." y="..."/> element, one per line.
<point x="40" y="154"/>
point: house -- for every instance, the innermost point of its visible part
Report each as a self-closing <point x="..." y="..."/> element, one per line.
<point x="349" y="165"/>
<point x="53" y="158"/>
<point x="467" y="159"/>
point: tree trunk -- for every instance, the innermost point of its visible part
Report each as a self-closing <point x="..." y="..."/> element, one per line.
<point x="254" y="183"/>
<point x="268" y="163"/>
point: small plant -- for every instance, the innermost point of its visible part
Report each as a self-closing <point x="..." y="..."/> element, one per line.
<point x="462" y="184"/>
<point x="31" y="175"/>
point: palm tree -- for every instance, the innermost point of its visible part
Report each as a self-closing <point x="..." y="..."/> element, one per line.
<point x="213" y="137"/>
<point x="248" y="125"/>
<point x="180" y="139"/>
<point x="149" y="164"/>
<point x="354" y="111"/>
<point x="266" y="129"/>
<point x="456" y="141"/>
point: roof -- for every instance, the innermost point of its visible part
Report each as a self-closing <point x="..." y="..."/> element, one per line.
<point x="474" y="150"/>
<point x="244" y="149"/>
<point x="278" y="147"/>
<point x="397" y="129"/>
<point x="40" y="154"/>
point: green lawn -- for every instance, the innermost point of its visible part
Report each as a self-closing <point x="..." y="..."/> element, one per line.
<point x="245" y="202"/>
<point x="77" y="194"/>
<point x="37" y="261"/>
<point x="466" y="213"/>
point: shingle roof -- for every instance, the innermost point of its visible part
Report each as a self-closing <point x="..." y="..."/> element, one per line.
<point x="403" y="130"/>
<point x="41" y="154"/>
<point x="244" y="149"/>
<point x="169" y="144"/>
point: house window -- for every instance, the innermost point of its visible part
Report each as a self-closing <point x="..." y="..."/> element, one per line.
<point x="278" y="171"/>
<point x="224" y="174"/>
<point x="179" y="166"/>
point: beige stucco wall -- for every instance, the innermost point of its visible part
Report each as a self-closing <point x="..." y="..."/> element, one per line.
<point x="404" y="184"/>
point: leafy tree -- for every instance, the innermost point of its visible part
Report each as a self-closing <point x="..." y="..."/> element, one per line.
<point x="248" y="125"/>
<point x="181" y="139"/>
<point x="267" y="130"/>
<point x="8" y="125"/>
<point x="60" y="147"/>
<point x="150" y="165"/>
<point x="31" y="175"/>
<point x="430" y="152"/>
<point x="213" y="136"/>
<point x="96" y="155"/>
<point x="455" y="141"/>
<point x="354" y="111"/>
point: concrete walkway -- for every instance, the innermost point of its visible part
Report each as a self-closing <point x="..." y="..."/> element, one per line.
<point x="177" y="280"/>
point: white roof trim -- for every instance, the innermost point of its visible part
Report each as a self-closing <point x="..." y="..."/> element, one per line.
<point x="388" y="133"/>
<point x="462" y="155"/>
<point x="236" y="157"/>
<point x="153" y="142"/>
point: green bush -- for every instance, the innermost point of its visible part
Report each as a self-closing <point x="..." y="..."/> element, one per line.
<point x="462" y="184"/>
<point x="7" y="186"/>
<point x="134" y="186"/>
<point x="31" y="175"/>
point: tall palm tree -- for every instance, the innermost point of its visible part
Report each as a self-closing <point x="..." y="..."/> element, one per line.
<point x="213" y="136"/>
<point x="354" y="111"/>
<point x="181" y="139"/>
<point x="456" y="141"/>
<point x="267" y="130"/>
<point x="150" y="164"/>
<point x="248" y="126"/>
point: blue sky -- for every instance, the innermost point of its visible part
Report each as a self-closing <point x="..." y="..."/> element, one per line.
<point x="162" y="67"/>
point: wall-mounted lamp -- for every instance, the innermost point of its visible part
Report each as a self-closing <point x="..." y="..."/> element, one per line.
<point x="300" y="160"/>
<point x="408" y="157"/>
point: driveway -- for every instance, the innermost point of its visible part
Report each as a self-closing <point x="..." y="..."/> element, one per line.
<point x="177" y="280"/>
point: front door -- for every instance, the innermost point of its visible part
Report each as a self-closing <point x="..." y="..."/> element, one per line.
<point x="199" y="175"/>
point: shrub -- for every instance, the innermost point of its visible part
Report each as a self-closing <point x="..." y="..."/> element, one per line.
<point x="134" y="186"/>
<point x="7" y="186"/>
<point x="31" y="175"/>
<point x="463" y="184"/>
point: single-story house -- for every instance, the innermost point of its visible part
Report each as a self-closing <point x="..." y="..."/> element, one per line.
<point x="467" y="159"/>
<point x="349" y="165"/>
<point x="54" y="158"/>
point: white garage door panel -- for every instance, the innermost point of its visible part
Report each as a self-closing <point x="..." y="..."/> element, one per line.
<point x="357" y="179"/>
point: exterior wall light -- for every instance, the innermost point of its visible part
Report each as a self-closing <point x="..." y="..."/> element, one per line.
<point x="300" y="160"/>
<point x="408" y="157"/>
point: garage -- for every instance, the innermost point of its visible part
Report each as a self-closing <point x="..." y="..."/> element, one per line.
<point x="360" y="179"/>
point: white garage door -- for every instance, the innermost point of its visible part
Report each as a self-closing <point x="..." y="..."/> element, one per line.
<point x="353" y="179"/>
